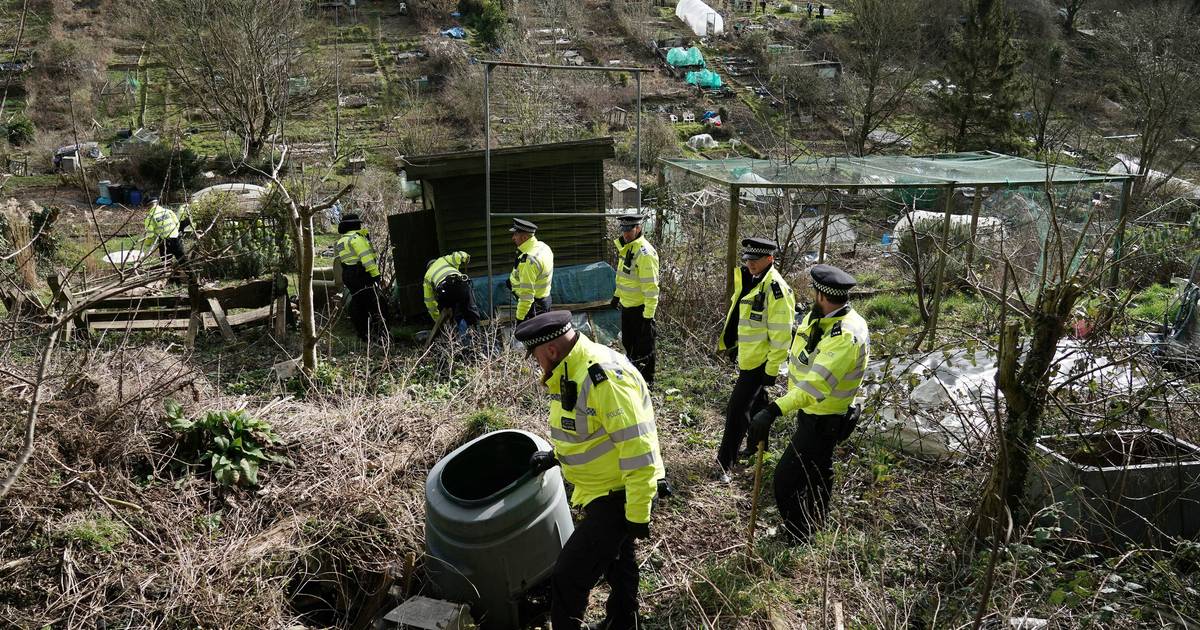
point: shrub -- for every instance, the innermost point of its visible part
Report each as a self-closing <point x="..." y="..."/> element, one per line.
<point x="486" y="17"/>
<point x="158" y="167"/>
<point x="235" y="246"/>
<point x="19" y="130"/>
<point x="231" y="443"/>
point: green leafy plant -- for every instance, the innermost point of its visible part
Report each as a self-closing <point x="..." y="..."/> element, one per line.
<point x="232" y="443"/>
<point x="19" y="130"/>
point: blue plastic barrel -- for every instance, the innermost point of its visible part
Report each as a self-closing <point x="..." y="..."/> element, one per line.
<point x="135" y="197"/>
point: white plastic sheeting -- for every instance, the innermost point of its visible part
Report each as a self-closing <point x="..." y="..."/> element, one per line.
<point x="248" y="196"/>
<point x="124" y="256"/>
<point x="839" y="232"/>
<point x="701" y="141"/>
<point x="701" y="18"/>
<point x="942" y="405"/>
<point x="1128" y="164"/>
<point x="925" y="221"/>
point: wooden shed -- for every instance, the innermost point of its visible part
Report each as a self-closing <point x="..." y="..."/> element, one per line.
<point x="559" y="177"/>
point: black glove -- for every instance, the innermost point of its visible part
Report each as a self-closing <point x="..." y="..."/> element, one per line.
<point x="760" y="425"/>
<point x="769" y="380"/>
<point x="542" y="461"/>
<point x="638" y="530"/>
<point x="616" y="301"/>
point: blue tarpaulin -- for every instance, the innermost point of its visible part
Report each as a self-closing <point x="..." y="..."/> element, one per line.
<point x="576" y="284"/>
<point x="455" y="32"/>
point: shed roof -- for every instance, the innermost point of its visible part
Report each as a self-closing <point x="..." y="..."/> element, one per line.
<point x="982" y="168"/>
<point x="445" y="165"/>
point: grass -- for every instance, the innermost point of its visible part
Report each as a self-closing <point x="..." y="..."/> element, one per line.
<point x="97" y="531"/>
<point x="1154" y="304"/>
<point x="888" y="310"/>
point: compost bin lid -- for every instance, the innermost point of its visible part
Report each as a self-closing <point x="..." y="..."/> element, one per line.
<point x="488" y="469"/>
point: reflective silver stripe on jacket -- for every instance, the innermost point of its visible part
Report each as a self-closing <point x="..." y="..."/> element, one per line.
<point x="590" y="455"/>
<point x="637" y="461"/>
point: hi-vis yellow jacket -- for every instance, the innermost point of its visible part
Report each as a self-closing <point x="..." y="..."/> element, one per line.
<point x="764" y="320"/>
<point x="637" y="275"/>
<point x="608" y="441"/>
<point x="532" y="274"/>
<point x="354" y="249"/>
<point x="438" y="272"/>
<point x="161" y="223"/>
<point x="825" y="381"/>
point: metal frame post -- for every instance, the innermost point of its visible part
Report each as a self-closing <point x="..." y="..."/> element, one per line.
<point x="731" y="237"/>
<point x="487" y="180"/>
<point x="488" y="66"/>
<point x="638" y="142"/>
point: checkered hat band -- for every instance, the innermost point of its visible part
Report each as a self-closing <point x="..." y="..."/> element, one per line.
<point x="554" y="334"/>
<point x="759" y="251"/>
<point x="827" y="290"/>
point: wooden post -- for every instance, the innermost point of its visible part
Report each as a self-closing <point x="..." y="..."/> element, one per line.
<point x="281" y="306"/>
<point x="824" y="234"/>
<point x="658" y="206"/>
<point x="975" y="205"/>
<point x="218" y="314"/>
<point x="1119" y="240"/>
<point x="939" y="279"/>
<point x="731" y="239"/>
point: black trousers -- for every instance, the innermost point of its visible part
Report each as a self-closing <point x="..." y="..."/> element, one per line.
<point x="169" y="248"/>
<point x="364" y="301"/>
<point x="540" y="305"/>
<point x="638" y="336"/>
<point x="600" y="547"/>
<point x="804" y="475"/>
<point x="748" y="398"/>
<point x="457" y="294"/>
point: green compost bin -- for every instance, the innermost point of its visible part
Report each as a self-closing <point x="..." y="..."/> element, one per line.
<point x="493" y="530"/>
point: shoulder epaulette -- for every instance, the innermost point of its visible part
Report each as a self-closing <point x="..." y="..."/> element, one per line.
<point x="776" y="290"/>
<point x="835" y="330"/>
<point x="596" y="373"/>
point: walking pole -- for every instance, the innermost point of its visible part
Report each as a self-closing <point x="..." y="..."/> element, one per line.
<point x="757" y="488"/>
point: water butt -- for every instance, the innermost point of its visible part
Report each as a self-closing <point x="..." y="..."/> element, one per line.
<point x="493" y="530"/>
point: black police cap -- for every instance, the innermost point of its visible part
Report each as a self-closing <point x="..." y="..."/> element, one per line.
<point x="349" y="223"/>
<point x="521" y="225"/>
<point x="830" y="280"/>
<point x="630" y="220"/>
<point x="545" y="327"/>
<point x="753" y="248"/>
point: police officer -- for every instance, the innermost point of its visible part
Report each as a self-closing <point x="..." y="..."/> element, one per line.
<point x="604" y="436"/>
<point x="637" y="294"/>
<point x="162" y="229"/>
<point x="825" y="369"/>
<point x="759" y="328"/>
<point x="447" y="286"/>
<point x="360" y="274"/>
<point x="532" y="271"/>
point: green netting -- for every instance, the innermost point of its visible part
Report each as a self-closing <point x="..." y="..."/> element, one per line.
<point x="685" y="57"/>
<point x="705" y="79"/>
<point x="892" y="171"/>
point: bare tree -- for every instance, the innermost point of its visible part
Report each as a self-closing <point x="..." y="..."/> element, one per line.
<point x="882" y="59"/>
<point x="1071" y="9"/>
<point x="243" y="62"/>
<point x="1074" y="261"/>
<point x="303" y="203"/>
<point x="1154" y="56"/>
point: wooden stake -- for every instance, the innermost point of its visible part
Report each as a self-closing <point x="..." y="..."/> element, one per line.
<point x="218" y="314"/>
<point x="758" y="466"/>
<point x="437" y="327"/>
